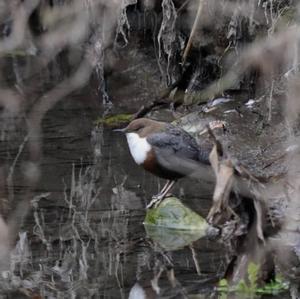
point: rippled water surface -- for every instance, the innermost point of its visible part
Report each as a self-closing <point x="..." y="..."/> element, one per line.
<point x="84" y="236"/>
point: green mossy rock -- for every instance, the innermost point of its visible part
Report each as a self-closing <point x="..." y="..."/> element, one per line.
<point x="173" y="225"/>
<point x="172" y="213"/>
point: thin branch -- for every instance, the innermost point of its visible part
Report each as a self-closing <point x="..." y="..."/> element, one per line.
<point x="195" y="25"/>
<point x="20" y="16"/>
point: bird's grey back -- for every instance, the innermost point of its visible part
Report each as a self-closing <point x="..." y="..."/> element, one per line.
<point x="175" y="141"/>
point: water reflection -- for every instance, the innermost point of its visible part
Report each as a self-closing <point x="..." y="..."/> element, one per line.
<point x="84" y="236"/>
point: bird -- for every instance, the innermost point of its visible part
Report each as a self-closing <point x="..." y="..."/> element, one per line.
<point x="165" y="150"/>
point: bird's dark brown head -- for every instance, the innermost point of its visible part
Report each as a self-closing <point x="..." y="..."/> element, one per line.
<point x="144" y="126"/>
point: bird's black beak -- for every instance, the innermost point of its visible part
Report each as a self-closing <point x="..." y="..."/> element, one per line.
<point x="120" y="130"/>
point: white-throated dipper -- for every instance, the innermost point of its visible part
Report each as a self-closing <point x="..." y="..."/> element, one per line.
<point x="152" y="144"/>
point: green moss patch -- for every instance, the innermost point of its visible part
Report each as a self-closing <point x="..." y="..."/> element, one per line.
<point x="251" y="288"/>
<point x="114" y="120"/>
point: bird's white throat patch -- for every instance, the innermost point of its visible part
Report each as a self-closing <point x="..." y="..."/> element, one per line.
<point x="139" y="147"/>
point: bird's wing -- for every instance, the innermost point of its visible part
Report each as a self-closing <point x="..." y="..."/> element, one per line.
<point x="177" y="151"/>
<point x="178" y="142"/>
<point x="184" y="166"/>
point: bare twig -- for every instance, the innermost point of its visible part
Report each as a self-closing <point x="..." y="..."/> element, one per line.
<point x="195" y="259"/>
<point x="20" y="15"/>
<point x="195" y="25"/>
<point x="77" y="80"/>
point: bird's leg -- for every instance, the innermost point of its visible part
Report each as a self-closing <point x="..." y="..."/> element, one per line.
<point x="156" y="199"/>
<point x="168" y="186"/>
<point x="164" y="187"/>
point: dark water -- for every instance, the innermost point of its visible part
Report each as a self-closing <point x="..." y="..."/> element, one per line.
<point x="84" y="236"/>
<point x="91" y="239"/>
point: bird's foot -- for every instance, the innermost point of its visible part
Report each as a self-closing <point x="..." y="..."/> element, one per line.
<point x="157" y="199"/>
